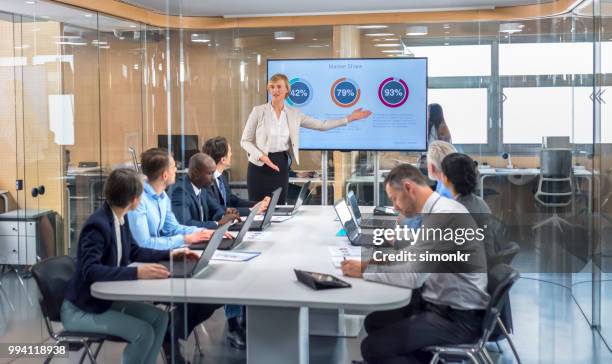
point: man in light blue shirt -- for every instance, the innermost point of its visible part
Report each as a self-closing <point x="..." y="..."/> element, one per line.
<point x="153" y="225"/>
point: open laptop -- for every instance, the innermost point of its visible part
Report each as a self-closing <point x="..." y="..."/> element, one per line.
<point x="261" y="225"/>
<point x="288" y="210"/>
<point x="353" y="232"/>
<point x="190" y="268"/>
<point x="231" y="243"/>
<point x="369" y="222"/>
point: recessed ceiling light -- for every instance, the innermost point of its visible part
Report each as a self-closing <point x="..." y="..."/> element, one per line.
<point x="88" y="15"/>
<point x="30" y="2"/>
<point x="284" y="35"/>
<point x="373" y="26"/>
<point x="511" y="27"/>
<point x="200" y="37"/>
<point x="387" y="45"/>
<point x="71" y="43"/>
<point x="133" y="26"/>
<point x="390" y="39"/>
<point x="378" y="34"/>
<point x="446" y="32"/>
<point x="392" y="51"/>
<point x="315" y="39"/>
<point x="415" y="30"/>
<point x="315" y="46"/>
<point x="446" y="26"/>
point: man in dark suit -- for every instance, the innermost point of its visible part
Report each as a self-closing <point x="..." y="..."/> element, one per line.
<point x="221" y="152"/>
<point x="192" y="201"/>
<point x="193" y="204"/>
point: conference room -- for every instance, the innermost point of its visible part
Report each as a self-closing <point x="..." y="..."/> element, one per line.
<point x="312" y="128"/>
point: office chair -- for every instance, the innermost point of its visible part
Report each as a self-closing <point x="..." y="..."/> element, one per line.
<point x="501" y="279"/>
<point x="555" y="188"/>
<point x="52" y="276"/>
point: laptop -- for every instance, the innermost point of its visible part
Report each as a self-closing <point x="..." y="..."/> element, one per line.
<point x="370" y="222"/>
<point x="261" y="225"/>
<point x="231" y="243"/>
<point x="353" y="232"/>
<point x="289" y="210"/>
<point x="191" y="268"/>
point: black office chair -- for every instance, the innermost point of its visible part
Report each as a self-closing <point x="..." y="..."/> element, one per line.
<point x="555" y="188"/>
<point x="52" y="276"/>
<point x="501" y="278"/>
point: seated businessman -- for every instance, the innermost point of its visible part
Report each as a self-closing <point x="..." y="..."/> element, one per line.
<point x="221" y="152"/>
<point x="192" y="202"/>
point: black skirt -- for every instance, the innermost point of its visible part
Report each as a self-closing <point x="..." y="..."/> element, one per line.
<point x="262" y="181"/>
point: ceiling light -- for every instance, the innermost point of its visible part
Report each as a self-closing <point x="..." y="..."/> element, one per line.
<point x="315" y="39"/>
<point x="88" y="15"/>
<point x="387" y="45"/>
<point x="416" y="30"/>
<point x="30" y="2"/>
<point x="200" y="37"/>
<point x="133" y="26"/>
<point x="373" y="26"/>
<point x="392" y="51"/>
<point x="446" y="26"/>
<point x="510" y="27"/>
<point x="390" y="39"/>
<point x="378" y="34"/>
<point x="284" y="35"/>
<point x="71" y="43"/>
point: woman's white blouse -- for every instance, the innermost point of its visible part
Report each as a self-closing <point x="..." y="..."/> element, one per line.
<point x="279" y="135"/>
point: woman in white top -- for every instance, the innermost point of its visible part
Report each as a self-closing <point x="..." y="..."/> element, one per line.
<point x="272" y="136"/>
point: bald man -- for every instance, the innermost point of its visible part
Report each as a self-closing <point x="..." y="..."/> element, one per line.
<point x="192" y="204"/>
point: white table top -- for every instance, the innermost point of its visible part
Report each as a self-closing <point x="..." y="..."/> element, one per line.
<point x="268" y="280"/>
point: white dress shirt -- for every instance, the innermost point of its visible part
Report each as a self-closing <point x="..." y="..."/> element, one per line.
<point x="118" y="223"/>
<point x="461" y="291"/>
<point x="279" y="135"/>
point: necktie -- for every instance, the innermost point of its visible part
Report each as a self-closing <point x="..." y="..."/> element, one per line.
<point x="200" y="204"/>
<point x="222" y="191"/>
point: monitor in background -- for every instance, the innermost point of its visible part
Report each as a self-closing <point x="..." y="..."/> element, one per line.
<point x="182" y="147"/>
<point x="395" y="90"/>
<point x="556" y="142"/>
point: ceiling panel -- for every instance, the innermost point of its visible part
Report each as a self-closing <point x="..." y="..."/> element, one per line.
<point x="238" y="8"/>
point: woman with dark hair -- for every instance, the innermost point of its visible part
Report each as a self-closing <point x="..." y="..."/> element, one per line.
<point x="460" y="176"/>
<point x="437" y="128"/>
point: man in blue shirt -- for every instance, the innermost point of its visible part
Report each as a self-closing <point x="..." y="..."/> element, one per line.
<point x="153" y="225"/>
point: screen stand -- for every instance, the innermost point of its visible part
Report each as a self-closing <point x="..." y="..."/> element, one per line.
<point x="324" y="177"/>
<point x="376" y="178"/>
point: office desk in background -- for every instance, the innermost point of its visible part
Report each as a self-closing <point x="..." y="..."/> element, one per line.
<point x="278" y="306"/>
<point x="486" y="172"/>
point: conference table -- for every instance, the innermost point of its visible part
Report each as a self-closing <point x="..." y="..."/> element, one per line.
<point x="278" y="306"/>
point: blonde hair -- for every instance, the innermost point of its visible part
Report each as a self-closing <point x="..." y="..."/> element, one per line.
<point x="280" y="77"/>
<point x="437" y="151"/>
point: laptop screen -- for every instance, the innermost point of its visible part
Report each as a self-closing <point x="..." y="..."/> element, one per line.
<point x="302" y="196"/>
<point x="354" y="204"/>
<point x="271" y="207"/>
<point x="346" y="218"/>
<point x="212" y="246"/>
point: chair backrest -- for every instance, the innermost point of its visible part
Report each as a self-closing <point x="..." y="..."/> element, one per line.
<point x="52" y="276"/>
<point x="556" y="163"/>
<point x="500" y="279"/>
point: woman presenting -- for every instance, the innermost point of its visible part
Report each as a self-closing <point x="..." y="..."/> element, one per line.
<point x="272" y="136"/>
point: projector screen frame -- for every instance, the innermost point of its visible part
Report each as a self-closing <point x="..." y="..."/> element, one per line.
<point x="358" y="59"/>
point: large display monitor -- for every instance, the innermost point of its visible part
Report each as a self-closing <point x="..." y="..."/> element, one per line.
<point x="395" y="90"/>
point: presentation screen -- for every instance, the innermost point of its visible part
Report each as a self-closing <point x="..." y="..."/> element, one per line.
<point x="395" y="90"/>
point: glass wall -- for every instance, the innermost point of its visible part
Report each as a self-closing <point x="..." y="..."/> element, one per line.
<point x="79" y="90"/>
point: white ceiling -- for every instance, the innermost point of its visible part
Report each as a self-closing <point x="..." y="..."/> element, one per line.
<point x="242" y="8"/>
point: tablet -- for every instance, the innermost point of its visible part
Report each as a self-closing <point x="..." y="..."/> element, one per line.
<point x="319" y="281"/>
